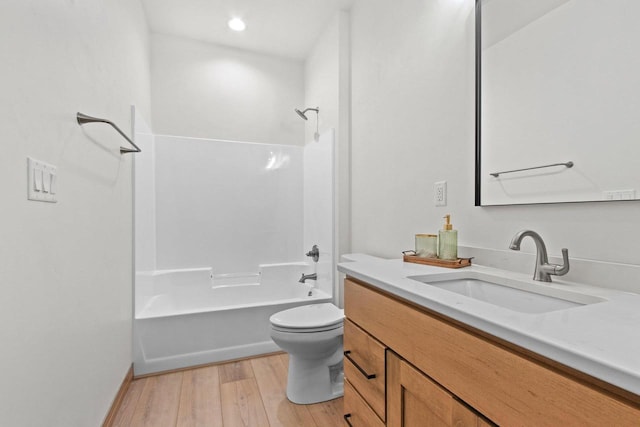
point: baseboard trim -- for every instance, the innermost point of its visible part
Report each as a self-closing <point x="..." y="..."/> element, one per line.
<point x="143" y="365"/>
<point x="204" y="365"/>
<point x="117" y="401"/>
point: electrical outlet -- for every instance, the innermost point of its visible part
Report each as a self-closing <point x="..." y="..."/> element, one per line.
<point x="440" y="193"/>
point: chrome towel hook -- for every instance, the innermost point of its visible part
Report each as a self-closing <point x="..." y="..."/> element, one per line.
<point x="84" y="119"/>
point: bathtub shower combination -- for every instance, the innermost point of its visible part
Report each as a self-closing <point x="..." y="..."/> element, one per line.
<point x="192" y="317"/>
<point x="237" y="207"/>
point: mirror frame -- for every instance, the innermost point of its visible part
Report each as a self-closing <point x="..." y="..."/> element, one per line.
<point x="478" y="31"/>
<point x="478" y="127"/>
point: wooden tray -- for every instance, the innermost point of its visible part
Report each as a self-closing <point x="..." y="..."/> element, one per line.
<point x="458" y="263"/>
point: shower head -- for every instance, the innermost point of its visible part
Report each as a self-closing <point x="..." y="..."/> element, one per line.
<point x="300" y="113"/>
<point x="304" y="116"/>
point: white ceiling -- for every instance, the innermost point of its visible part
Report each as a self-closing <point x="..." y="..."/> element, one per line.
<point x="277" y="27"/>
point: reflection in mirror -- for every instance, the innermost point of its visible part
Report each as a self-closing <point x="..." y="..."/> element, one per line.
<point x="557" y="83"/>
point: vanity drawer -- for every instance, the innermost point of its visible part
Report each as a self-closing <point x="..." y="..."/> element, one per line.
<point x="356" y="411"/>
<point x="364" y="366"/>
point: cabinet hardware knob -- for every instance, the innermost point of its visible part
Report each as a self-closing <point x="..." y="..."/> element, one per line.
<point x="362" y="371"/>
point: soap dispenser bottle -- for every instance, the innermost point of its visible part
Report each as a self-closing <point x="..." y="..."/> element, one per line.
<point x="448" y="241"/>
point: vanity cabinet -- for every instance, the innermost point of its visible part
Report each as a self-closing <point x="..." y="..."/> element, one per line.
<point x="440" y="372"/>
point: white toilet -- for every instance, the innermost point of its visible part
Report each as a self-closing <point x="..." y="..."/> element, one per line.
<point x="312" y="335"/>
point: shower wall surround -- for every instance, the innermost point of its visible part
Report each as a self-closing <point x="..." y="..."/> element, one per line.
<point x="319" y="205"/>
<point x="232" y="205"/>
<point x="144" y="195"/>
<point x="227" y="205"/>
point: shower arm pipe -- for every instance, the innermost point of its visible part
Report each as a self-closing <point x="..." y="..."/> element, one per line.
<point x="316" y="135"/>
<point x="84" y="119"/>
<point x="302" y="114"/>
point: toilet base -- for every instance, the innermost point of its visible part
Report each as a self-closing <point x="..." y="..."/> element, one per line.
<point x="310" y="382"/>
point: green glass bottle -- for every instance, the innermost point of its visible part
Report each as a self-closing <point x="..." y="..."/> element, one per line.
<point x="448" y="241"/>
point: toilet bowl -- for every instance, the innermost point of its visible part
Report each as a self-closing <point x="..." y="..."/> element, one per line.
<point x="312" y="335"/>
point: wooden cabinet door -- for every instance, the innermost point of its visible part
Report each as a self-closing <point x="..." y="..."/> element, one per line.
<point x="414" y="400"/>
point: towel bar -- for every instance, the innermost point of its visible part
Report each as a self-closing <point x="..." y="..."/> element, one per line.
<point x="84" y="119"/>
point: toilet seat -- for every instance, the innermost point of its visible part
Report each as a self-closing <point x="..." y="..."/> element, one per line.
<point x="308" y="319"/>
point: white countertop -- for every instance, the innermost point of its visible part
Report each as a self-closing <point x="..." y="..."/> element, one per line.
<point x="602" y="339"/>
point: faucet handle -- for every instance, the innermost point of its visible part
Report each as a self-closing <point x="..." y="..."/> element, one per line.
<point x="558" y="270"/>
<point x="314" y="253"/>
<point x="563" y="269"/>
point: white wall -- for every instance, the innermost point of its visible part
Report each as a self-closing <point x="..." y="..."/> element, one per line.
<point x="209" y="91"/>
<point x="413" y="124"/>
<point x="66" y="268"/>
<point x="328" y="86"/>
<point x="322" y="80"/>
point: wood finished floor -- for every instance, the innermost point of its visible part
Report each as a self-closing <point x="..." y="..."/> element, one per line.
<point x="245" y="393"/>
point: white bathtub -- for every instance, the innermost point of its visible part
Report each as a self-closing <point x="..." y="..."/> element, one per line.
<point x="191" y="317"/>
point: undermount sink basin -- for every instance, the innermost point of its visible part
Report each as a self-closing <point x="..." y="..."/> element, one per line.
<point x="524" y="297"/>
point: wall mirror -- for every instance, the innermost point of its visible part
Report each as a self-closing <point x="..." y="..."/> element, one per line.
<point x="557" y="101"/>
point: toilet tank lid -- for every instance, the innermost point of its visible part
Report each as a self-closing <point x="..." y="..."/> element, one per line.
<point x="308" y="316"/>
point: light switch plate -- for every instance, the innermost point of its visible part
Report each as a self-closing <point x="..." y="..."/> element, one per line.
<point x="39" y="190"/>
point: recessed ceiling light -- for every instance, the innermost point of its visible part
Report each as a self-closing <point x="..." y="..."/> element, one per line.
<point x="237" y="24"/>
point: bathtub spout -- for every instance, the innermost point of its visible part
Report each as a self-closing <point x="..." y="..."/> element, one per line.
<point x="304" y="277"/>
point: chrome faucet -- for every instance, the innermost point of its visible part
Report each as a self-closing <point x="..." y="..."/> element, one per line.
<point x="304" y="277"/>
<point x="543" y="270"/>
